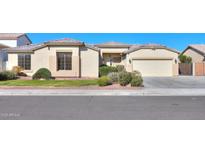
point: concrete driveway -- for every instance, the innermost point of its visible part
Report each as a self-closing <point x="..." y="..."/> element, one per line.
<point x="175" y="82"/>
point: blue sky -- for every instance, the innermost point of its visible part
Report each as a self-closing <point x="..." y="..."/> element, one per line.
<point x="177" y="41"/>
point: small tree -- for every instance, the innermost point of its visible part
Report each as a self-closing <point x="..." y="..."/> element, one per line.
<point x="189" y="59"/>
<point x="185" y="59"/>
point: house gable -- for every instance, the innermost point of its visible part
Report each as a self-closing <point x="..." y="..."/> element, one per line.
<point x="196" y="55"/>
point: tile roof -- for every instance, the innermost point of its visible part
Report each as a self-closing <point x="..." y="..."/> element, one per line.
<point x="199" y="47"/>
<point x="149" y="46"/>
<point x="113" y="44"/>
<point x="11" y="36"/>
<point x="64" y="41"/>
<point x="60" y="42"/>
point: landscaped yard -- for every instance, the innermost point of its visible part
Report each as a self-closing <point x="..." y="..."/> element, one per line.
<point x="49" y="83"/>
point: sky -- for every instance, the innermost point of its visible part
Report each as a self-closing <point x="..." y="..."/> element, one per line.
<point x="178" y="41"/>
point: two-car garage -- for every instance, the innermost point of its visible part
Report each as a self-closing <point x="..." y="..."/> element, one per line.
<point x="153" y="67"/>
<point x="153" y="60"/>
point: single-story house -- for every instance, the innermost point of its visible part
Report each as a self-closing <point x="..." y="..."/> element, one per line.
<point x="64" y="58"/>
<point x="196" y="52"/>
<point x="72" y="58"/>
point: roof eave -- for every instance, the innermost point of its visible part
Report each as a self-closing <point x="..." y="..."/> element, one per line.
<point x="19" y="51"/>
<point x="133" y="50"/>
<point x="113" y="46"/>
<point x="63" y="44"/>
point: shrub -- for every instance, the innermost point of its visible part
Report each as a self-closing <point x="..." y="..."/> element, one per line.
<point x="104" y="81"/>
<point x="124" y="78"/>
<point x="136" y="81"/>
<point x="7" y="75"/>
<point x="103" y="65"/>
<point x="3" y="76"/>
<point x="42" y="73"/>
<point x="17" y="69"/>
<point x="22" y="74"/>
<point x="185" y="59"/>
<point x="114" y="76"/>
<point x="104" y="70"/>
<point x="120" y="68"/>
<point x="136" y="73"/>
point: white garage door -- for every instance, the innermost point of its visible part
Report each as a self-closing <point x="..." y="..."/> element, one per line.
<point x="153" y="67"/>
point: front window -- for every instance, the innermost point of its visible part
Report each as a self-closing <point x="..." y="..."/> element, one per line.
<point x="64" y="61"/>
<point x="24" y="61"/>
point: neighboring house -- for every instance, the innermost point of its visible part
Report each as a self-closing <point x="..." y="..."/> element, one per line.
<point x="3" y="57"/>
<point x="11" y="40"/>
<point x="64" y="58"/>
<point x="14" y="39"/>
<point x="111" y="53"/>
<point x="196" y="52"/>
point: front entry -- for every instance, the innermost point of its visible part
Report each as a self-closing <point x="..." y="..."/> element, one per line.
<point x="112" y="59"/>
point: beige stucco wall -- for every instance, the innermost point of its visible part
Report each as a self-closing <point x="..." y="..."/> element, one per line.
<point x="52" y="61"/>
<point x="196" y="57"/>
<point x="12" y="61"/>
<point x="151" y="54"/>
<point x="175" y="69"/>
<point x="89" y="63"/>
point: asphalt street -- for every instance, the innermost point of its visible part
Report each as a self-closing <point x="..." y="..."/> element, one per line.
<point x="102" y="107"/>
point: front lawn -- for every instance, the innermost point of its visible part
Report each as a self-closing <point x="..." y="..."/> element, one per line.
<point x="49" y="83"/>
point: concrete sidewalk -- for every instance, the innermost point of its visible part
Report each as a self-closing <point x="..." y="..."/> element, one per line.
<point x="83" y="92"/>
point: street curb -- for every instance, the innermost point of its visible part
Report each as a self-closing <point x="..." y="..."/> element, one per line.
<point x="80" y="92"/>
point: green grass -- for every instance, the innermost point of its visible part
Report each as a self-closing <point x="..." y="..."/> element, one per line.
<point x="49" y="83"/>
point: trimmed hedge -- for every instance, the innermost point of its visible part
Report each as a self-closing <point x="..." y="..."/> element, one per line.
<point x="7" y="75"/>
<point x="124" y="78"/>
<point x="104" y="70"/>
<point x="42" y="73"/>
<point x="104" y="81"/>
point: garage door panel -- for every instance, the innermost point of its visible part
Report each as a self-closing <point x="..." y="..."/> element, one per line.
<point x="153" y="67"/>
